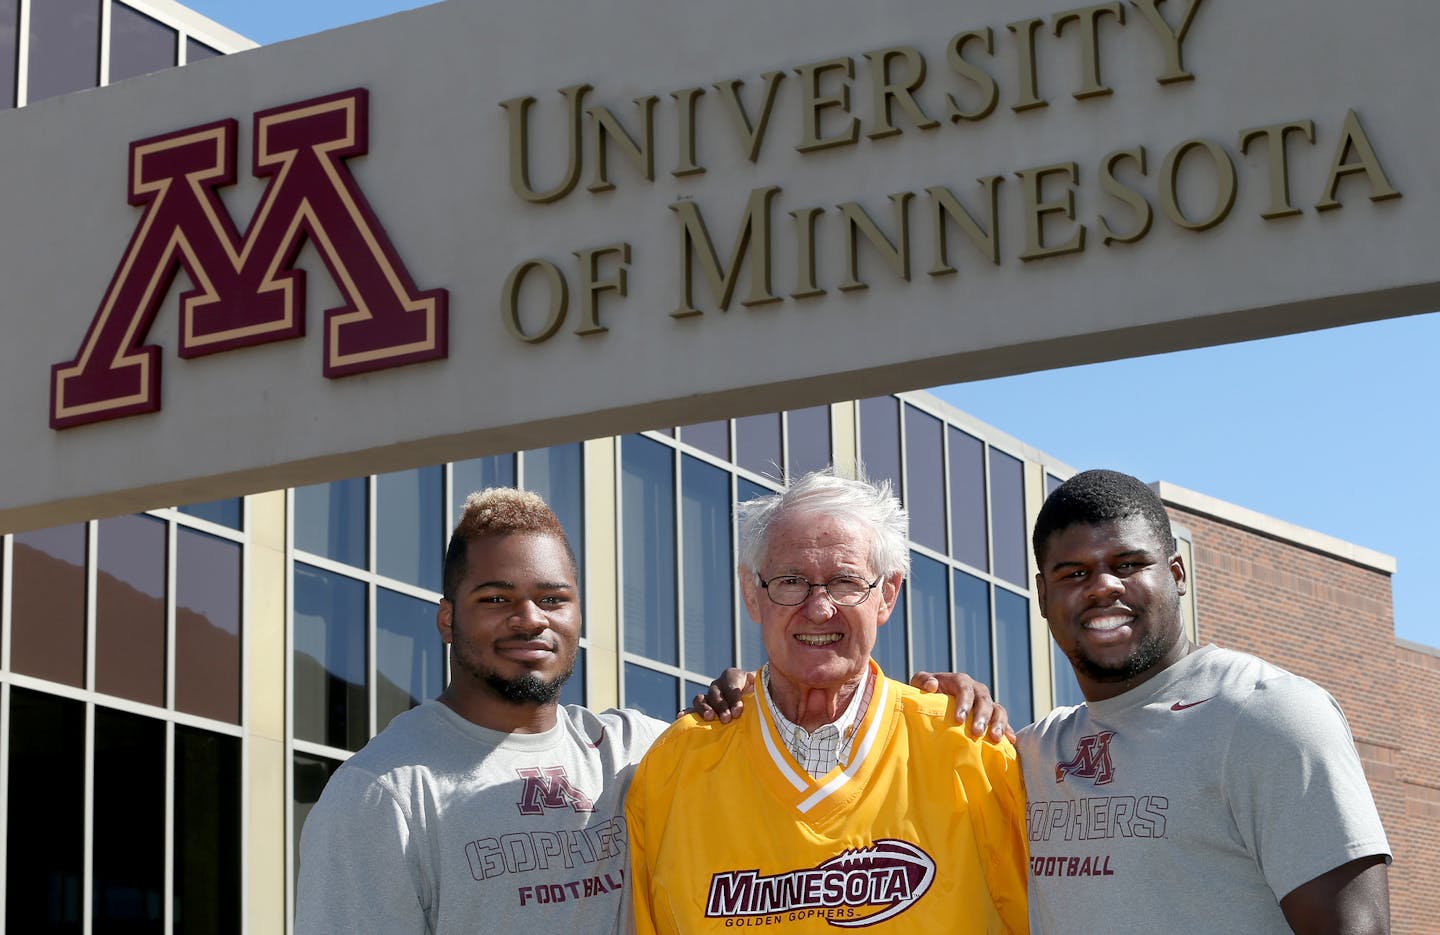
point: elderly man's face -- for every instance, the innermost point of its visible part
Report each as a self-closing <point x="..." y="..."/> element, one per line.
<point x="817" y="645"/>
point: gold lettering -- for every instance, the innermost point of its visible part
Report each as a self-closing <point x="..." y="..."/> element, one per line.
<point x="1170" y="39"/>
<point x="685" y="132"/>
<point x="989" y="90"/>
<point x="753" y="135"/>
<point x="805" y="253"/>
<point x="1354" y="141"/>
<point x="888" y="92"/>
<point x="518" y="109"/>
<point x="607" y="127"/>
<point x="1110" y="184"/>
<point x="695" y="240"/>
<point x="1089" y="19"/>
<point x="814" y="105"/>
<point x="1224" y="184"/>
<point x="1036" y="208"/>
<point x="559" y="300"/>
<point x="591" y="285"/>
<point x="1275" y="136"/>
<point x="943" y="204"/>
<point x="1024" y="31"/>
<point x="895" y="253"/>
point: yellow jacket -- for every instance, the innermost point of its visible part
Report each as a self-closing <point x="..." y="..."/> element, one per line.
<point x="922" y="831"/>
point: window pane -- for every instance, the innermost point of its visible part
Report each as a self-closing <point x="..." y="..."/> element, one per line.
<point x="130" y="608"/>
<point x="1067" y="689"/>
<point x="129" y="838"/>
<point x="198" y="51"/>
<point x="925" y="478"/>
<point x="880" y="440"/>
<point x="329" y="661"/>
<point x="330" y="520"/>
<point x="647" y="503"/>
<point x="808" y="444"/>
<point x="972" y="628"/>
<point x="467" y="477"/>
<point x="46" y="820"/>
<point x="9" y="50"/>
<point x="709" y="570"/>
<point x="655" y="693"/>
<point x="409" y="656"/>
<point x="64" y="47"/>
<point x="573" y="691"/>
<point x="890" y="644"/>
<point x="968" y="541"/>
<point x="207" y="625"/>
<point x="713" y="437"/>
<point x="47" y="611"/>
<point x="757" y="444"/>
<point x="1012" y="656"/>
<point x="929" y="616"/>
<point x="138" y="44"/>
<point x="1007" y="511"/>
<point x="409" y="512"/>
<point x="308" y="781"/>
<point x="558" y="475"/>
<point x="221" y="512"/>
<point x="1051" y="482"/>
<point x="752" y="646"/>
<point x="207" y="833"/>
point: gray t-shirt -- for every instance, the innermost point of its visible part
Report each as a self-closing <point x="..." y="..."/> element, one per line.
<point x="1191" y="804"/>
<point x="441" y="826"/>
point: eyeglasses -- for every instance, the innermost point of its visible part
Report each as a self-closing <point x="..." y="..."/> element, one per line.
<point x="793" y="590"/>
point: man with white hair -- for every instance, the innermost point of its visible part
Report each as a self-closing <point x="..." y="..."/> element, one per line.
<point x="849" y="799"/>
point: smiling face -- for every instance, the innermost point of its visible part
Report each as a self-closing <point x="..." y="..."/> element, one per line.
<point x="817" y="645"/>
<point x="1111" y="594"/>
<point x="513" y="627"/>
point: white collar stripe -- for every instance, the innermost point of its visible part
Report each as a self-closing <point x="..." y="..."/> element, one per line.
<point x="835" y="784"/>
<point x="767" y="732"/>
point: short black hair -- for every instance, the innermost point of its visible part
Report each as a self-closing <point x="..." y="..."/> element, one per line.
<point x="499" y="511"/>
<point x="1100" y="496"/>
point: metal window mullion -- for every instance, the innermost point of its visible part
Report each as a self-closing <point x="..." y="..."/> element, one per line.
<point x="785" y="447"/>
<point x="737" y="607"/>
<point x="7" y="551"/>
<point x="372" y="661"/>
<point x="619" y="545"/>
<point x="287" y="782"/>
<point x="904" y="480"/>
<point x="372" y="536"/>
<point x="946" y="505"/>
<point x="4" y="784"/>
<point x="520" y="470"/>
<point x="92" y="551"/>
<point x="246" y="646"/>
<point x="168" y="910"/>
<point x="22" y="56"/>
<point x="677" y="460"/>
<point x="102" y="73"/>
<point x="87" y="869"/>
<point x="995" y="679"/>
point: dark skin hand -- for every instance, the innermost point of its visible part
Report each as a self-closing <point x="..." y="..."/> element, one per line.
<point x="726" y="700"/>
<point x="1352" y="899"/>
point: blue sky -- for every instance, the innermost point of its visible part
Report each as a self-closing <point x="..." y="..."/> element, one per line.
<point x="1331" y="430"/>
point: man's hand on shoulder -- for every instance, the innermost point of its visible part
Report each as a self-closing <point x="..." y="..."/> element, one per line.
<point x="1352" y="899"/>
<point x="725" y="699"/>
<point x="972" y="702"/>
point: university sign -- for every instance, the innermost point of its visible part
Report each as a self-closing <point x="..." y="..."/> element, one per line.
<point x="522" y="225"/>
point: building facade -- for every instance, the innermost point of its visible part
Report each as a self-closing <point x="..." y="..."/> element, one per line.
<point x="177" y="686"/>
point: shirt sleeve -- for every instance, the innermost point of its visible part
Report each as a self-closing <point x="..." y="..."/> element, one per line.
<point x="999" y="813"/>
<point x="359" y="870"/>
<point x="1295" y="785"/>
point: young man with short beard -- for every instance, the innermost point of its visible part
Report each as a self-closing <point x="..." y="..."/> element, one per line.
<point x="1198" y="789"/>
<point x="491" y="808"/>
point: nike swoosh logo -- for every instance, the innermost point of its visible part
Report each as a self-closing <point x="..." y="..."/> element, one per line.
<point x="1177" y="706"/>
<point x="599" y="740"/>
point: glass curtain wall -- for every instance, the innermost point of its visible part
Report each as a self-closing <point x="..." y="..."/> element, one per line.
<point x="121" y="656"/>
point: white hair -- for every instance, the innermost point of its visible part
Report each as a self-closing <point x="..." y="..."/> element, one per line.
<point x="823" y="493"/>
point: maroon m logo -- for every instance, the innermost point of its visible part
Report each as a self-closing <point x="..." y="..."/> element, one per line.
<point x="245" y="291"/>
<point x="1092" y="759"/>
<point x="550" y="788"/>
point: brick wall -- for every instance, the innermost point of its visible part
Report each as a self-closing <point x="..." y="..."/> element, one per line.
<point x="1331" y="621"/>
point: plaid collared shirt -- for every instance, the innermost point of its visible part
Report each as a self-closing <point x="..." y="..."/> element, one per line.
<point x="828" y="745"/>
